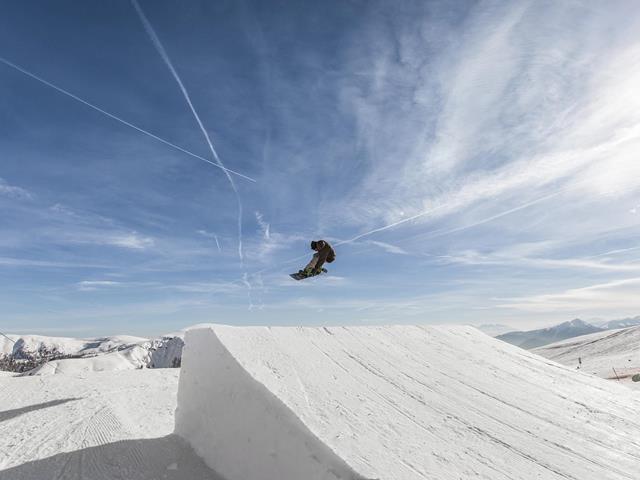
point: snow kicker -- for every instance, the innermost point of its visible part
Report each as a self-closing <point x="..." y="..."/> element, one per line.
<point x="398" y="403"/>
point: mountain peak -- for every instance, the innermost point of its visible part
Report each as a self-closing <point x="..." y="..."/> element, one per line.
<point x="576" y="322"/>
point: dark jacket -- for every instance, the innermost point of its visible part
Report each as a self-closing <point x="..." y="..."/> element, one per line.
<point x="325" y="253"/>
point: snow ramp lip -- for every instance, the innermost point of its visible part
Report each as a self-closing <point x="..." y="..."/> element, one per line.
<point x="239" y="427"/>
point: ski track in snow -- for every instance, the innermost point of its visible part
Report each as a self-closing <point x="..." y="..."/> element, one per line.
<point x="102" y="426"/>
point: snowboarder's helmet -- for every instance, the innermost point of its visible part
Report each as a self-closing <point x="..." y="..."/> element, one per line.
<point x="314" y="244"/>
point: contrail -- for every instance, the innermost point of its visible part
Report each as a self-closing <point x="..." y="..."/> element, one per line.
<point x="615" y="252"/>
<point x="391" y="225"/>
<point x="115" y="117"/>
<point x="159" y="47"/>
<point x="489" y="219"/>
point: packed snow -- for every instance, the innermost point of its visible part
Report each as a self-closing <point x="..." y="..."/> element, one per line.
<point x="102" y="426"/>
<point x="613" y="354"/>
<point x="397" y="403"/>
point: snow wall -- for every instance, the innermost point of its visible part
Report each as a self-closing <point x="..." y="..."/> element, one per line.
<point x="238" y="426"/>
<point x="396" y="403"/>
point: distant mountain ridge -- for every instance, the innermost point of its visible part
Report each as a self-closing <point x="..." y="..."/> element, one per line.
<point x="38" y="355"/>
<point x="622" y="323"/>
<point x="537" y="338"/>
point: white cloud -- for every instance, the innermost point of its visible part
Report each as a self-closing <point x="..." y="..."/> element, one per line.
<point x="25" y="262"/>
<point x="91" y="285"/>
<point x="12" y="191"/>
<point x="205" y="287"/>
<point x="388" y="247"/>
<point x="264" y="226"/>
<point x="619" y="297"/>
<point x="510" y="258"/>
<point x="131" y="241"/>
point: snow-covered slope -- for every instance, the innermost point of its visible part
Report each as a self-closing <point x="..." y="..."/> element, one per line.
<point x="397" y="403"/>
<point x="105" y="426"/>
<point x="600" y="353"/>
<point x="41" y="355"/>
<point x="130" y="358"/>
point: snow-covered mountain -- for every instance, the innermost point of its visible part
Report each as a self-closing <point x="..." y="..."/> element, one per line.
<point x="42" y="355"/>
<point x="621" y="323"/>
<point x="612" y="354"/>
<point x="537" y="338"/>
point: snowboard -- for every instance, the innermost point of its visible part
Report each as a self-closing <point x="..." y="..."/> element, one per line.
<point x="302" y="276"/>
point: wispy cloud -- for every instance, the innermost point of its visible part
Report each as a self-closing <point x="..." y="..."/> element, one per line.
<point x="92" y="285"/>
<point x="62" y="224"/>
<point x="26" y="262"/>
<point x="264" y="226"/>
<point x="470" y="257"/>
<point x="506" y="124"/>
<point x="387" y="247"/>
<point x="13" y="191"/>
<point x="618" y="297"/>
<point x="132" y="241"/>
<point x="205" y="287"/>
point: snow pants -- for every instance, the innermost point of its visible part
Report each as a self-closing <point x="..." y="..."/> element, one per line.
<point x="314" y="261"/>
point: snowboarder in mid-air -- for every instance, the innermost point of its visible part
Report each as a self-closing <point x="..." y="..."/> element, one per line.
<point x="324" y="253"/>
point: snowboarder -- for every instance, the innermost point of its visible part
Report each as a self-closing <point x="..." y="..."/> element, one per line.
<point x="324" y="253"/>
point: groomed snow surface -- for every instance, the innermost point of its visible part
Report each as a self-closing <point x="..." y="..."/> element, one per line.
<point x="382" y="403"/>
<point x="102" y="426"/>
<point x="613" y="354"/>
<point x="397" y="402"/>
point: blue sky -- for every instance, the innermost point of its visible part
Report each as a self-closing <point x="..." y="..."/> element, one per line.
<point x="473" y="161"/>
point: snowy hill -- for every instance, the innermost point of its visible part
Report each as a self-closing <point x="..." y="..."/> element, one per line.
<point x="537" y="338"/>
<point x="397" y="403"/>
<point x="600" y="353"/>
<point x="41" y="355"/>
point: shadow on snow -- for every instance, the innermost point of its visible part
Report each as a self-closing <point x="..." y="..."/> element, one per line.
<point x="9" y="414"/>
<point x="167" y="458"/>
